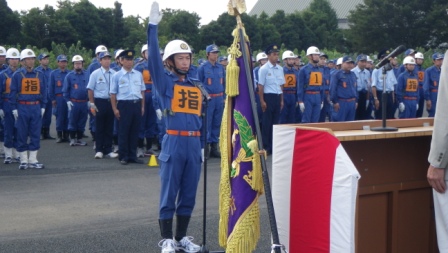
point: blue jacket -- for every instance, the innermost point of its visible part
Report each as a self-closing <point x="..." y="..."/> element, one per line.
<point x="311" y="78"/>
<point x="212" y="77"/>
<point x="33" y="89"/>
<point x="75" y="85"/>
<point x="56" y="83"/>
<point x="431" y="81"/>
<point x="407" y="86"/>
<point x="343" y="86"/>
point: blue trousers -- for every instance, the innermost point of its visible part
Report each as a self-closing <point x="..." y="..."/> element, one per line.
<point x="346" y="111"/>
<point x="288" y="113"/>
<point x="421" y="102"/>
<point x="148" y="127"/>
<point x="61" y="114"/>
<point x="214" y="117"/>
<point x="271" y="116"/>
<point x="128" y="126"/>
<point x="390" y="109"/>
<point x="161" y="129"/>
<point x="180" y="170"/>
<point x="46" y="119"/>
<point x="312" y="108"/>
<point x="410" y="109"/>
<point x="433" y="97"/>
<point x="28" y="124"/>
<point x="326" y="111"/>
<point x="104" y="126"/>
<point x="9" y="130"/>
<point x="77" y="117"/>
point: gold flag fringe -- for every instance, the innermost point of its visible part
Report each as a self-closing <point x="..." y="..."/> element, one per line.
<point x="257" y="175"/>
<point x="233" y="70"/>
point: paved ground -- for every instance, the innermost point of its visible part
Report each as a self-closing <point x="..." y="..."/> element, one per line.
<point x="79" y="204"/>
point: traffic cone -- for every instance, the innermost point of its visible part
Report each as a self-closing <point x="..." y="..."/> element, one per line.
<point x="152" y="161"/>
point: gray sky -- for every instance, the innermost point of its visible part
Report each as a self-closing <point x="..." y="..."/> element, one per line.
<point x="208" y="10"/>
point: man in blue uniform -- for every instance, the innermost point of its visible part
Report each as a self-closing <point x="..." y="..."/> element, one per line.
<point x="310" y="93"/>
<point x="127" y="91"/>
<point x="378" y="89"/>
<point x="75" y="94"/>
<point x="7" y="118"/>
<point x="44" y="60"/>
<point x="212" y="76"/>
<point x="223" y="60"/>
<point x="409" y="52"/>
<point x="288" y="113"/>
<point x="180" y="159"/>
<point x="28" y="99"/>
<point x="343" y="92"/>
<point x="56" y="97"/>
<point x="407" y="92"/>
<point x="100" y="107"/>
<point x="419" y="59"/>
<point x="270" y="89"/>
<point x="326" y="109"/>
<point x="362" y="88"/>
<point x="3" y="64"/>
<point x="148" y="128"/>
<point x="431" y="83"/>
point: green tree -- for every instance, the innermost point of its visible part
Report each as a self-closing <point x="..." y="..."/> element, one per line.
<point x="269" y="33"/>
<point x="85" y="20"/>
<point x="119" y="28"/>
<point x="10" y="32"/>
<point x="35" y="29"/>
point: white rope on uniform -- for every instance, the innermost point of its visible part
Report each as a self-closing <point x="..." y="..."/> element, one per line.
<point x="281" y="246"/>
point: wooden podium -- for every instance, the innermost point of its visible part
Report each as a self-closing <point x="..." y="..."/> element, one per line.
<point x="394" y="208"/>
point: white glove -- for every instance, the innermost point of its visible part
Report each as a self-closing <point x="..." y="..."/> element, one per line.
<point x="93" y="106"/>
<point x="69" y="105"/>
<point x="2" y="114"/>
<point x="159" y="114"/>
<point x="367" y="103"/>
<point x="42" y="111"/>
<point x="202" y="155"/>
<point x="321" y="106"/>
<point x="302" y="107"/>
<point x="155" y="15"/>
<point x="401" y="107"/>
<point x="417" y="107"/>
<point x="15" y="113"/>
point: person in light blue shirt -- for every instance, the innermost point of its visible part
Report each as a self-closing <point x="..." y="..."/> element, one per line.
<point x="128" y="102"/>
<point x="362" y="88"/>
<point x="270" y="89"/>
<point x="377" y="89"/>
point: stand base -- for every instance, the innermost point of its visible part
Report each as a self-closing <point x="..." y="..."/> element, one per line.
<point x="384" y="129"/>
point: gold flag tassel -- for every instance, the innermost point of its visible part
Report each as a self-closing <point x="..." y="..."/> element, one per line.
<point x="233" y="70"/>
<point x="257" y="175"/>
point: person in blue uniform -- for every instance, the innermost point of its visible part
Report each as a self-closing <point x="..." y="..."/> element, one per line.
<point x="99" y="104"/>
<point x="407" y="92"/>
<point x="362" y="88"/>
<point x="75" y="94"/>
<point x="180" y="160"/>
<point x="261" y="58"/>
<point x="288" y="113"/>
<point x="212" y="76"/>
<point x="431" y="83"/>
<point x="409" y="52"/>
<point x="3" y="64"/>
<point x="127" y="91"/>
<point x="55" y="95"/>
<point x="343" y="93"/>
<point x="44" y="60"/>
<point x="28" y="99"/>
<point x="223" y="60"/>
<point x="420" y="70"/>
<point x="378" y="89"/>
<point x="7" y="118"/>
<point x="326" y="109"/>
<point x="148" y="128"/>
<point x="310" y="93"/>
<point x="270" y="89"/>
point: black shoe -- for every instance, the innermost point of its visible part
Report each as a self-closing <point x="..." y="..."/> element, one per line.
<point x="136" y="160"/>
<point x="124" y="162"/>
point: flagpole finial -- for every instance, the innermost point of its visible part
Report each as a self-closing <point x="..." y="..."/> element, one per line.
<point x="236" y="7"/>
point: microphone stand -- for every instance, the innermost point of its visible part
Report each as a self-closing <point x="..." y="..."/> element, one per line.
<point x="384" y="128"/>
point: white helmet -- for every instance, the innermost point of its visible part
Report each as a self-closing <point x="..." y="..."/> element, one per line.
<point x="288" y="54"/>
<point x="27" y="53"/>
<point x="409" y="60"/>
<point x="2" y="51"/>
<point x="419" y="55"/>
<point x="176" y="47"/>
<point x="100" y="49"/>
<point x="261" y="56"/>
<point x="12" y="53"/>
<point x="339" y="61"/>
<point x="77" y="58"/>
<point x="312" y="50"/>
<point x="144" y="48"/>
<point x="369" y="59"/>
<point x="118" y="52"/>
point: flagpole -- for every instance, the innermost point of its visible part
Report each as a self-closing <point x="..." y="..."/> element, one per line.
<point x="267" y="185"/>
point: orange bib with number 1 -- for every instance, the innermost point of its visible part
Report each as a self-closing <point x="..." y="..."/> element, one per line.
<point x="30" y="86"/>
<point x="315" y="79"/>
<point x="411" y="85"/>
<point x="186" y="100"/>
<point x="290" y="81"/>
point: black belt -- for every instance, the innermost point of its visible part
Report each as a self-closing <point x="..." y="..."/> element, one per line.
<point x="103" y="99"/>
<point x="133" y="101"/>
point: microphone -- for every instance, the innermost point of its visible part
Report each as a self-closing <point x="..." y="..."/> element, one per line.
<point x="202" y="89"/>
<point x="394" y="53"/>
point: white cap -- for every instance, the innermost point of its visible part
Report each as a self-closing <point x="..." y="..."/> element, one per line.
<point x="118" y="52"/>
<point x="176" y="47"/>
<point x="12" y="53"/>
<point x="339" y="61"/>
<point x="261" y="56"/>
<point x="312" y="50"/>
<point x="100" y="48"/>
<point x="369" y="59"/>
<point x="27" y="53"/>
<point x="419" y="55"/>
<point x="409" y="60"/>
<point x="77" y="58"/>
<point x="2" y="51"/>
<point x="144" y="48"/>
<point x="288" y="54"/>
